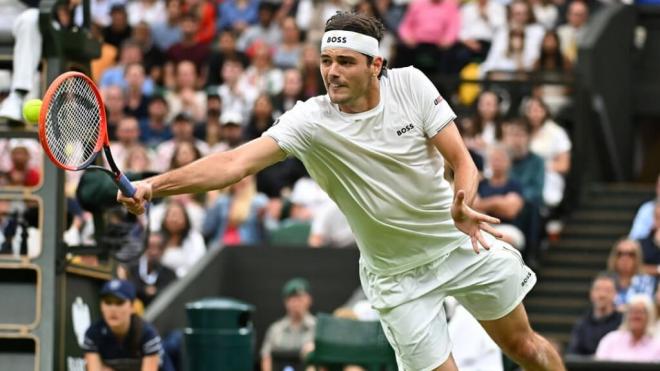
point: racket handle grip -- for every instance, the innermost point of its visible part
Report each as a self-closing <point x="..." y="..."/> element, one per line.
<point x="125" y="185"/>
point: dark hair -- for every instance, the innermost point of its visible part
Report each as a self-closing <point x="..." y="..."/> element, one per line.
<point x="360" y="23"/>
<point x="552" y="61"/>
<point x="174" y="162"/>
<point x="520" y="123"/>
<point x="478" y="121"/>
<point x="186" y="229"/>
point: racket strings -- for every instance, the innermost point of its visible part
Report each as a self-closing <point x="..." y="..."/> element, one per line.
<point x="73" y="123"/>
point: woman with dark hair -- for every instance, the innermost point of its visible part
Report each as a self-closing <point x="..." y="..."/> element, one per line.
<point x="183" y="245"/>
<point x="551" y="142"/>
<point x="485" y="125"/>
<point x="261" y="119"/>
<point x="184" y="153"/>
<point x="551" y="58"/>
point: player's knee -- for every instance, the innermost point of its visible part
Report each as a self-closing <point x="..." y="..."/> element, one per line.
<point x="521" y="347"/>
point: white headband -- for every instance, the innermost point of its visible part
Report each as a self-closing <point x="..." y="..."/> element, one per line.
<point x="350" y="40"/>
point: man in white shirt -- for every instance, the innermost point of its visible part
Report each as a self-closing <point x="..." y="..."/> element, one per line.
<point x="376" y="145"/>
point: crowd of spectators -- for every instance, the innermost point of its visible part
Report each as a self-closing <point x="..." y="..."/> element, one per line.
<point x="622" y="322"/>
<point x="185" y="78"/>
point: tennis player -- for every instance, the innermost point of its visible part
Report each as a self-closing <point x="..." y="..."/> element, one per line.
<point x="376" y="143"/>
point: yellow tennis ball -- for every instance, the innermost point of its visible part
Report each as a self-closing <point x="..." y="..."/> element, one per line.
<point x="68" y="149"/>
<point x="31" y="110"/>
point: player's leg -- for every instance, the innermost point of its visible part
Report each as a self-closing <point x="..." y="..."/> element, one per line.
<point x="449" y="365"/>
<point x="516" y="338"/>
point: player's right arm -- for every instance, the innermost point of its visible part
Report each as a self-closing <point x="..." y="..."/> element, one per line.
<point x="215" y="171"/>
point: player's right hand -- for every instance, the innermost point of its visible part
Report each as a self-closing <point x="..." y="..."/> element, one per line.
<point x="138" y="203"/>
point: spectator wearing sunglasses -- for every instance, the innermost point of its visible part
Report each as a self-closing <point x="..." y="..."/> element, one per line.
<point x="625" y="263"/>
<point x="121" y="340"/>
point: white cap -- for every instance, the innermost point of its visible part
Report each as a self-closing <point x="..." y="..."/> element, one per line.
<point x="231" y="117"/>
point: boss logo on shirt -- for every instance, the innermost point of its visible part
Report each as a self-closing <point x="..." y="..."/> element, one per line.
<point x="336" y="39"/>
<point x="438" y="100"/>
<point x="405" y="129"/>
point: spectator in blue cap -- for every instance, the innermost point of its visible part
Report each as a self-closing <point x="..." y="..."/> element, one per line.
<point x="121" y="340"/>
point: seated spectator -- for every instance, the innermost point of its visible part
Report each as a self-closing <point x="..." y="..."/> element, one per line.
<point x="232" y="129"/>
<point x="545" y="12"/>
<point x="319" y="13"/>
<point x="625" y="262"/>
<point x="330" y="228"/>
<point x="22" y="173"/>
<point x="480" y="20"/>
<point x="168" y="32"/>
<point x="292" y="92"/>
<point x="651" y="246"/>
<point x="428" y="32"/>
<point x="307" y="200"/>
<point x="516" y="47"/>
<point x="188" y="48"/>
<point x="119" y="30"/>
<point x="552" y="59"/>
<point x="266" y="30"/>
<point x="553" y="66"/>
<point x="295" y="331"/>
<point x="571" y="32"/>
<point x="149" y="276"/>
<point x="238" y="15"/>
<point x="154" y="130"/>
<point x="153" y="57"/>
<point x="206" y="13"/>
<point x="115" y="108"/>
<point x="149" y="11"/>
<point x="643" y="222"/>
<point x="550" y="141"/>
<point x="137" y="102"/>
<point x="311" y="75"/>
<point x="261" y="119"/>
<point x="634" y="342"/>
<point x="182" y="130"/>
<point x="528" y="170"/>
<point x="287" y="53"/>
<point x="121" y="339"/>
<point x="130" y="53"/>
<point x="236" y="94"/>
<point x="601" y="319"/>
<point x="183" y="245"/>
<point x="238" y="217"/>
<point x="261" y="75"/>
<point x="138" y="161"/>
<point x="128" y="135"/>
<point x="501" y="197"/>
<point x="35" y="153"/>
<point x="184" y="96"/>
<point x="486" y="123"/>
<point x="226" y="47"/>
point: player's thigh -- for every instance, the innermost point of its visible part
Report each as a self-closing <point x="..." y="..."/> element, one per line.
<point x="493" y="283"/>
<point x="417" y="331"/>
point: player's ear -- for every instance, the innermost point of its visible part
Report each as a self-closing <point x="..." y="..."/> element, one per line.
<point x="376" y="66"/>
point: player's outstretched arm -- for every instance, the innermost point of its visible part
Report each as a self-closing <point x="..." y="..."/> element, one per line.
<point x="449" y="142"/>
<point x="215" y="171"/>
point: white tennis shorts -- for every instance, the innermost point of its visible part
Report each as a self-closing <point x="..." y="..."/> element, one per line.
<point x="489" y="285"/>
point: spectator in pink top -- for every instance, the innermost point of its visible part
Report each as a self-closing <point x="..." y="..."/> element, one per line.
<point x="428" y="32"/>
<point x="634" y="341"/>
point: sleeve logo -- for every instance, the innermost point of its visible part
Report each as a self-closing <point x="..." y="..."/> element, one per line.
<point x="437" y="100"/>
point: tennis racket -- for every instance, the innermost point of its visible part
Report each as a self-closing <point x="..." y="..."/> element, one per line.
<point x="73" y="129"/>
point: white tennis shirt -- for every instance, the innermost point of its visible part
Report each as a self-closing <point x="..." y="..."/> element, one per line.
<point x="381" y="169"/>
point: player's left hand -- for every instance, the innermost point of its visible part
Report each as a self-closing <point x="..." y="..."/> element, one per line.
<point x="472" y="222"/>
